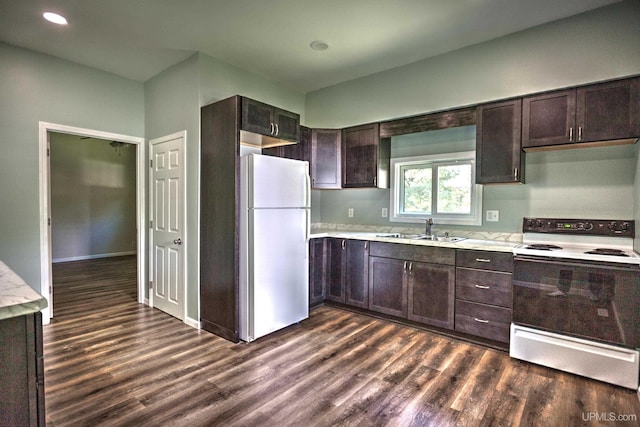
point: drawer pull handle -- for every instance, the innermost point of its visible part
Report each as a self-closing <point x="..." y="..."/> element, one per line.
<point x="483" y="287"/>
<point x="480" y="320"/>
<point x="482" y="260"/>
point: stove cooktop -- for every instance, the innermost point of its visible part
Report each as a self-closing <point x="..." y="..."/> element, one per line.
<point x="579" y="239"/>
<point x="600" y="249"/>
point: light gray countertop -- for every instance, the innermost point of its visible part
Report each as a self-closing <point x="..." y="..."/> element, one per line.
<point x="466" y="243"/>
<point x="16" y="297"/>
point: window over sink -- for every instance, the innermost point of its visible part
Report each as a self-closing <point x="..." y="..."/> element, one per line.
<point x="439" y="186"/>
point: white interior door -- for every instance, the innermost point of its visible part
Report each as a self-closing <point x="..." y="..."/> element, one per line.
<point x="168" y="224"/>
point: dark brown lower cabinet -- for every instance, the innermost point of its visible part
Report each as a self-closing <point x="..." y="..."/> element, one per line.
<point x="413" y="282"/>
<point x="316" y="272"/>
<point x="347" y="275"/>
<point x="357" y="273"/>
<point x="388" y="286"/>
<point x="21" y="371"/>
<point x="335" y="263"/>
<point x="483" y="320"/>
<point x="432" y="294"/>
<point x="484" y="293"/>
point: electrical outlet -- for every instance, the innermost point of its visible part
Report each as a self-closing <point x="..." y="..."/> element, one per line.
<point x="493" y="216"/>
<point x="385" y="212"/>
<point x="350" y="212"/>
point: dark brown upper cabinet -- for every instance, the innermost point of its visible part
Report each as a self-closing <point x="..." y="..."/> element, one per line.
<point x="499" y="156"/>
<point x="365" y="160"/>
<point x="588" y="114"/>
<point x="265" y="119"/>
<point x="608" y="111"/>
<point x="299" y="151"/>
<point x="326" y="158"/>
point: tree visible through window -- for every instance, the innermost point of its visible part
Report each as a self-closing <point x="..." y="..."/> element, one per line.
<point x="436" y="186"/>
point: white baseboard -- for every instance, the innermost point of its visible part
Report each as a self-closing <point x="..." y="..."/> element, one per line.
<point x="96" y="256"/>
<point x="192" y="322"/>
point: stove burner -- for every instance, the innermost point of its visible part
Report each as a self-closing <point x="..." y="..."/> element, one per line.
<point x="607" y="251"/>
<point x="542" y="247"/>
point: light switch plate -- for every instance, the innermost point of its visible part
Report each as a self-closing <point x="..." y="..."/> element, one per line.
<point x="493" y="216"/>
<point x="350" y="212"/>
<point x="385" y="212"/>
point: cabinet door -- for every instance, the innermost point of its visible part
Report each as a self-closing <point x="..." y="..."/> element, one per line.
<point x="432" y="294"/>
<point x="387" y="286"/>
<point x="257" y="117"/>
<point x="316" y="271"/>
<point x="336" y="269"/>
<point x="273" y="151"/>
<point x="499" y="157"/>
<point x="357" y="273"/>
<point x="286" y="124"/>
<point x="299" y="151"/>
<point x="608" y="111"/>
<point x="360" y="161"/>
<point x="326" y="159"/>
<point x="549" y="119"/>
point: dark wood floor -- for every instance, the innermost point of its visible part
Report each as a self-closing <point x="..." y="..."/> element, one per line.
<point x="111" y="361"/>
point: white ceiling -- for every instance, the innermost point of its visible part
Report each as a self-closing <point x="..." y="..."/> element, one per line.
<point x="138" y="39"/>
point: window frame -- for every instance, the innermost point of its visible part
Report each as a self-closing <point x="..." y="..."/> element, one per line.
<point x="435" y="161"/>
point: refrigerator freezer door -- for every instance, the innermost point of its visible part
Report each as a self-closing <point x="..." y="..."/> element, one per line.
<point x="277" y="282"/>
<point x="275" y="182"/>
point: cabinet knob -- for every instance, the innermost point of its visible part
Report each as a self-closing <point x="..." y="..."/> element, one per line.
<point x="579" y="133"/>
<point x="480" y="320"/>
<point x="571" y="134"/>
<point x="483" y="287"/>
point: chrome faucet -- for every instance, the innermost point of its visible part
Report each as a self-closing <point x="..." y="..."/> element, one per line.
<point x="428" y="226"/>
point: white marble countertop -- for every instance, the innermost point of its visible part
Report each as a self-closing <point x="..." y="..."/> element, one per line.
<point x="485" y="244"/>
<point x="16" y="297"/>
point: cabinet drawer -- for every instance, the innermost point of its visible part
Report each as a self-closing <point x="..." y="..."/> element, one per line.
<point x="485" y="260"/>
<point x="488" y="287"/>
<point x="408" y="252"/>
<point x="483" y="320"/>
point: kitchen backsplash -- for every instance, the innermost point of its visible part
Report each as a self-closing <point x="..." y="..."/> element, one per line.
<point x="321" y="227"/>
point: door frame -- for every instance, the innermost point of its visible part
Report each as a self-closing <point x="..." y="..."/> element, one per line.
<point x="152" y="142"/>
<point x="46" y="284"/>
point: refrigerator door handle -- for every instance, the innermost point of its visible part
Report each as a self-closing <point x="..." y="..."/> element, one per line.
<point x="307" y="191"/>
<point x="307" y="198"/>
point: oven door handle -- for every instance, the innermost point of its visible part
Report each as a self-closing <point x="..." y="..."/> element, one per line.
<point x="571" y="263"/>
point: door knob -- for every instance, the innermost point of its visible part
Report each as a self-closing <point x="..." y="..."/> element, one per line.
<point x="177" y="241"/>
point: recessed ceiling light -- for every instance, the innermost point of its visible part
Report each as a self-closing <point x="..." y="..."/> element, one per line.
<point x="55" y="18"/>
<point x="318" y="45"/>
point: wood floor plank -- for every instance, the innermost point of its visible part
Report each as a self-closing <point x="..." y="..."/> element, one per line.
<point x="110" y="361"/>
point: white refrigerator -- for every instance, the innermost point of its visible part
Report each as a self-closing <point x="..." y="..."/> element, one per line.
<point x="274" y="251"/>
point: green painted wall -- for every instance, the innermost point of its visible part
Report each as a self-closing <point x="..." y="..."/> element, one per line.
<point x="172" y="104"/>
<point x="93" y="198"/>
<point x="588" y="182"/>
<point x="36" y="88"/>
<point x="598" y="45"/>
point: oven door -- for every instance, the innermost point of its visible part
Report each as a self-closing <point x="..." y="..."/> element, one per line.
<point x="582" y="299"/>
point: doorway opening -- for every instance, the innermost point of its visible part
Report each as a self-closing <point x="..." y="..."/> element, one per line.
<point x="107" y="177"/>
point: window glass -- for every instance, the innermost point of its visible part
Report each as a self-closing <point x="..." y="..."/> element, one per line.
<point x="439" y="186"/>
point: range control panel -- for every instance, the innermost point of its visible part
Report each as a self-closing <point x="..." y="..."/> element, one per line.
<point x="587" y="227"/>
